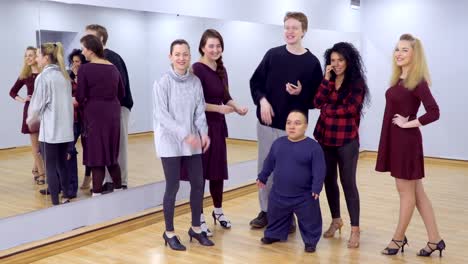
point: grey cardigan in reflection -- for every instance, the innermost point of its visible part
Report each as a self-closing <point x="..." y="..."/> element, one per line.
<point x="178" y="111"/>
<point x="51" y="103"/>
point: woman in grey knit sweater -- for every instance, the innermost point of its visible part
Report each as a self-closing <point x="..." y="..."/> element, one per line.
<point x="181" y="135"/>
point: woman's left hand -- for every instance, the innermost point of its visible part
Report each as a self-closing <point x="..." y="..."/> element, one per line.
<point x="242" y="110"/>
<point x="400" y="120"/>
<point x="205" y="143"/>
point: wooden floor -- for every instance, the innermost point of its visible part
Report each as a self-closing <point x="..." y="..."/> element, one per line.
<point x="446" y="185"/>
<point x="19" y="194"/>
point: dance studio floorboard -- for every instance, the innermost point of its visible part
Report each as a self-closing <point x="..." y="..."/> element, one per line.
<point x="19" y="194"/>
<point x="446" y="185"/>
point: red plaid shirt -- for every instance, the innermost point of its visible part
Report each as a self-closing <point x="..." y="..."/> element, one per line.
<point x="340" y="112"/>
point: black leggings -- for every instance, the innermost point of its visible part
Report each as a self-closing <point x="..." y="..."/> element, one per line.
<point x="99" y="175"/>
<point x="171" y="167"/>
<point x="346" y="158"/>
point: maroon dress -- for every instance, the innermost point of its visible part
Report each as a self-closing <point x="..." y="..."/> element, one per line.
<point x="29" y="82"/>
<point x="99" y="91"/>
<point x="400" y="149"/>
<point x="215" y="158"/>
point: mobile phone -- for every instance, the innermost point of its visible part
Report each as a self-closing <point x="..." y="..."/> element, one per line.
<point x="293" y="86"/>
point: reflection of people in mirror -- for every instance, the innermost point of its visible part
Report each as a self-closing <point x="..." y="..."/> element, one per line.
<point x="51" y="103"/>
<point x="76" y="59"/>
<point x="181" y="136"/>
<point x="26" y="78"/>
<point x="99" y="101"/>
<point x="126" y="104"/>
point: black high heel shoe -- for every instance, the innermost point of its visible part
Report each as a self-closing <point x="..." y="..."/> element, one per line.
<point x="394" y="251"/>
<point x="223" y="223"/>
<point x="201" y="237"/>
<point x="439" y="246"/>
<point x="174" y="242"/>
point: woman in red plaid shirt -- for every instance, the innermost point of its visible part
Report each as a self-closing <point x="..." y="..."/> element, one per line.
<point x="340" y="98"/>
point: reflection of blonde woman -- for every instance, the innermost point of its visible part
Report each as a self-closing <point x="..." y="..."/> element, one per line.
<point x="401" y="149"/>
<point x="27" y="76"/>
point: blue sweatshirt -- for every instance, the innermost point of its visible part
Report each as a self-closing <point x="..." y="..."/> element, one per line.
<point x="299" y="167"/>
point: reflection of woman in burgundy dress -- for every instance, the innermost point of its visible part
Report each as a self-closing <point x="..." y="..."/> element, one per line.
<point x="100" y="89"/>
<point x="213" y="77"/>
<point x="27" y="77"/>
<point x="400" y="149"/>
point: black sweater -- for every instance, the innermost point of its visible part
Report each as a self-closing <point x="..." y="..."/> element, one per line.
<point x="277" y="68"/>
<point x="115" y="59"/>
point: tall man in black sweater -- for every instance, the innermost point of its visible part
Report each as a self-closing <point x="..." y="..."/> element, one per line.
<point x="126" y="102"/>
<point x="286" y="79"/>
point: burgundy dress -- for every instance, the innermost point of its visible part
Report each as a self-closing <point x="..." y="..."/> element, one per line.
<point x="400" y="149"/>
<point x="29" y="82"/>
<point x="215" y="158"/>
<point x="99" y="91"/>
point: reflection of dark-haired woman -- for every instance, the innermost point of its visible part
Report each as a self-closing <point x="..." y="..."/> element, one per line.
<point x="76" y="59"/>
<point x="340" y="99"/>
<point x="99" y="100"/>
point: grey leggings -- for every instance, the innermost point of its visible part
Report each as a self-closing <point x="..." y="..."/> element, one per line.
<point x="171" y="167"/>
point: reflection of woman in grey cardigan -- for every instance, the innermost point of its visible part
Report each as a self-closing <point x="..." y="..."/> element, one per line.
<point x="180" y="130"/>
<point x="51" y="105"/>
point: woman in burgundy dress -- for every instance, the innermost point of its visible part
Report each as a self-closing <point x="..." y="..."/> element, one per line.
<point x="214" y="79"/>
<point x="100" y="89"/>
<point x="27" y="76"/>
<point x="400" y="148"/>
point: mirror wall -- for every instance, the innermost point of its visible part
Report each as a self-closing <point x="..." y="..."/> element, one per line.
<point x="142" y="39"/>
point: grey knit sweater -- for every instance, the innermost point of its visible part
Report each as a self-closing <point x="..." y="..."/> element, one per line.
<point x="178" y="111"/>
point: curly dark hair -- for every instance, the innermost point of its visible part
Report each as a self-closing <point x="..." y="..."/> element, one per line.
<point x="76" y="52"/>
<point x="355" y="71"/>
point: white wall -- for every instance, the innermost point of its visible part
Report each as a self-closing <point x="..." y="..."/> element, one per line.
<point x="441" y="27"/>
<point x="329" y="15"/>
<point x="18" y="23"/>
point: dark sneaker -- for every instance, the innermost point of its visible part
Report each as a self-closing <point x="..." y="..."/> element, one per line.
<point x="269" y="240"/>
<point x="44" y="192"/>
<point x="260" y="221"/>
<point x="309" y="248"/>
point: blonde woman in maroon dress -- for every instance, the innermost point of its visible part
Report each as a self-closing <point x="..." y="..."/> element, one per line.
<point x="27" y="77"/>
<point x="400" y="148"/>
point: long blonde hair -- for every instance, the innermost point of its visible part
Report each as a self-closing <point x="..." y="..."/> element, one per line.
<point x="26" y="71"/>
<point x="418" y="70"/>
<point x="55" y="53"/>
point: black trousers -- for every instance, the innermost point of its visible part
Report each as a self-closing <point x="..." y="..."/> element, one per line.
<point x="55" y="158"/>
<point x="345" y="157"/>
